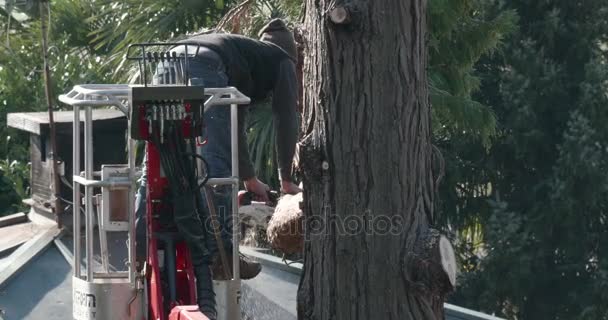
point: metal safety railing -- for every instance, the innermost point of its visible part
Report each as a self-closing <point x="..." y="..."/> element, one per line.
<point x="84" y="99"/>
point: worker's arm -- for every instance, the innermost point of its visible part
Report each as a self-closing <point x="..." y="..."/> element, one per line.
<point x="284" y="102"/>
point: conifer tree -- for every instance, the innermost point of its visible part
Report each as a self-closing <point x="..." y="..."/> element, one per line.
<point x="545" y="234"/>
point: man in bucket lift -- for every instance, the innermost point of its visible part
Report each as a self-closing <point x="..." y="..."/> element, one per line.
<point x="255" y="68"/>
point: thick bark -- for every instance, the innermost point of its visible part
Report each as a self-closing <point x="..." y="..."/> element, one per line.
<point x="366" y="162"/>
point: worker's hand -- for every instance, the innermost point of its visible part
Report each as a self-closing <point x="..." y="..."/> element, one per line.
<point x="258" y="188"/>
<point x="289" y="187"/>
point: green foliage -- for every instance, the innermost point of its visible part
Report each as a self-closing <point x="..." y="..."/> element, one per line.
<point x="544" y="221"/>
<point x="9" y="199"/>
<point x="259" y="12"/>
<point x="14" y="185"/>
<point x="71" y="18"/>
<point x="460" y="35"/>
<point x="14" y="179"/>
<point x="22" y="84"/>
<point x="117" y="24"/>
<point x="261" y="140"/>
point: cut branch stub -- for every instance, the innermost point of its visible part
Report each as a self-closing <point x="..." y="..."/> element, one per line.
<point x="431" y="266"/>
<point x="286" y="227"/>
<point x="448" y="259"/>
<point x="340" y="15"/>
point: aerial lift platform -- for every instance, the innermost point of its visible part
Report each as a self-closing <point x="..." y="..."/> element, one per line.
<point x="169" y="118"/>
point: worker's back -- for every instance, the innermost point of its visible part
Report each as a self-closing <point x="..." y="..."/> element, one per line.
<point x="251" y="65"/>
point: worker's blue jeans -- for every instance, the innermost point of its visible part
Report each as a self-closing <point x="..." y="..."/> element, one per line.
<point x="211" y="74"/>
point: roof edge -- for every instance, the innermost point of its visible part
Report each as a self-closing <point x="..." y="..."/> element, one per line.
<point x="296" y="268"/>
<point x="26" y="253"/>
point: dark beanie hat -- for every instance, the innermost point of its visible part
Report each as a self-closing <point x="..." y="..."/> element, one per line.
<point x="277" y="33"/>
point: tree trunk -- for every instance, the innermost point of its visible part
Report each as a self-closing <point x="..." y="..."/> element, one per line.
<point x="366" y="162"/>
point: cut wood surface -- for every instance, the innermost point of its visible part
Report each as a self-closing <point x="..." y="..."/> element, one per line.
<point x="285" y="229"/>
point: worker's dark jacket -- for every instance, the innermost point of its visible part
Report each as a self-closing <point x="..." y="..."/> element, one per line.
<point x="256" y="69"/>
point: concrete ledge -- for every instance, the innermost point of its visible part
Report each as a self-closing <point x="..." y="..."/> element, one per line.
<point x="13" y="219"/>
<point x="26" y="253"/>
<point x="272" y="261"/>
<point x="452" y="312"/>
<point x="15" y="235"/>
<point x="271" y="295"/>
<point x="41" y="215"/>
<point x="65" y="252"/>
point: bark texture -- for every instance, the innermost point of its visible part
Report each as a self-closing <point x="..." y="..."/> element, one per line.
<point x="366" y="162"/>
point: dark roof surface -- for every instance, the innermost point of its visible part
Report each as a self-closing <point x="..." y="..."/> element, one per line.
<point x="42" y="290"/>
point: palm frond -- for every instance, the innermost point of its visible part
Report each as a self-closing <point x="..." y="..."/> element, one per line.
<point x="261" y="141"/>
<point x="119" y="24"/>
